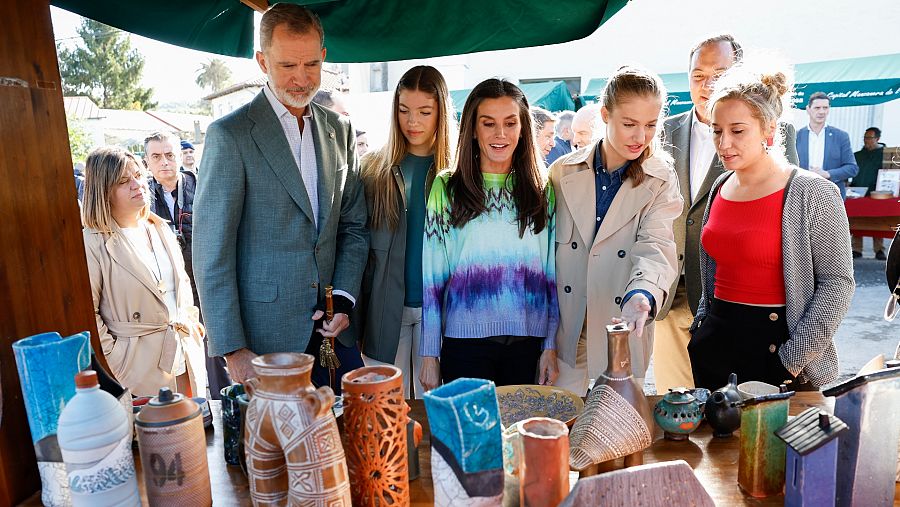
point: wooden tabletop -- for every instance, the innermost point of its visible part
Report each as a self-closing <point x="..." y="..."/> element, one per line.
<point x="714" y="461"/>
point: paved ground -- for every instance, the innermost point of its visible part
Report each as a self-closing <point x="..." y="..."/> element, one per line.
<point x="863" y="333"/>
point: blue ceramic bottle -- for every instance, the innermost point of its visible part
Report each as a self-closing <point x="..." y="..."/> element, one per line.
<point x="466" y="445"/>
<point x="47" y="365"/>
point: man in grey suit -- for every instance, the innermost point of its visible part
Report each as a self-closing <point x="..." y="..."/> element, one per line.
<point x="280" y="211"/>
<point x="689" y="140"/>
<point x="823" y="149"/>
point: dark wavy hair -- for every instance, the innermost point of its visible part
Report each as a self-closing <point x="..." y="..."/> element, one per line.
<point x="466" y="185"/>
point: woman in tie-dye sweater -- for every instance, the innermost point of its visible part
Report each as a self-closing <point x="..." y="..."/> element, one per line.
<point x="489" y="287"/>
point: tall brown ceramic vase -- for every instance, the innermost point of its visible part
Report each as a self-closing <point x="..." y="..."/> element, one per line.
<point x="294" y="453"/>
<point x="617" y="420"/>
<point x="544" y="477"/>
<point x="375" y="419"/>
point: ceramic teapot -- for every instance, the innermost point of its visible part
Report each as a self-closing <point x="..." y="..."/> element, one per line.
<point x="678" y="413"/>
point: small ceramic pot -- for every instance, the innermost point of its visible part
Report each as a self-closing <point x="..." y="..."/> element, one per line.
<point x="722" y="410"/>
<point x="678" y="413"/>
<point x="232" y="424"/>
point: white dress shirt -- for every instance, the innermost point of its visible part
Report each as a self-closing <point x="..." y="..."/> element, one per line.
<point x="302" y="147"/>
<point x="703" y="149"/>
<point x="817" y="148"/>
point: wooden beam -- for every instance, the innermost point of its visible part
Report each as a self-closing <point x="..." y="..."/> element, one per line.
<point x="257" y="5"/>
<point x="44" y="284"/>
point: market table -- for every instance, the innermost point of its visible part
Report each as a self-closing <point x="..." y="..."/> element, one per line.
<point x="876" y="218"/>
<point x="714" y="461"/>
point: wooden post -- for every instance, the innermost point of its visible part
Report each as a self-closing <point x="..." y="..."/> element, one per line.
<point x="44" y="284"/>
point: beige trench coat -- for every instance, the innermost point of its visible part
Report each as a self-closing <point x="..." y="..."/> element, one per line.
<point x="137" y="334"/>
<point x="633" y="249"/>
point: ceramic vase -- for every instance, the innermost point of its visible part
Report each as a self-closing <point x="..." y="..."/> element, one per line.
<point x="95" y="439"/>
<point x="617" y="420"/>
<point x="544" y="473"/>
<point x="722" y="409"/>
<point x="294" y="452"/>
<point x="466" y="455"/>
<point x="762" y="454"/>
<point x="173" y="451"/>
<point x="233" y="424"/>
<point x="867" y="454"/>
<point x="375" y="417"/>
<point x="47" y="364"/>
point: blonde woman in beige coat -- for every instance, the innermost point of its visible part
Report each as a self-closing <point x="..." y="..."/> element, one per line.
<point x="148" y="324"/>
<point x="615" y="249"/>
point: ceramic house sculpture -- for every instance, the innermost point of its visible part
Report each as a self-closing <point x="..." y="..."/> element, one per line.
<point x="867" y="453"/>
<point x="811" y="465"/>
<point x="656" y="485"/>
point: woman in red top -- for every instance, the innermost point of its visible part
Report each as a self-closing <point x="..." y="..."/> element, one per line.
<point x="769" y="307"/>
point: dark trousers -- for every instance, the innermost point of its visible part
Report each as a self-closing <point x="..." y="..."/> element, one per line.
<point x="349" y="357"/>
<point x="741" y="339"/>
<point x="215" y="373"/>
<point x="506" y="360"/>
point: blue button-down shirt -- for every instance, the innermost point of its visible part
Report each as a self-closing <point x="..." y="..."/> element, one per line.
<point x="606" y="186"/>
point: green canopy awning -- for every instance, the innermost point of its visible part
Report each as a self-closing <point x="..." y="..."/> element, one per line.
<point x="361" y="30"/>
<point x="551" y="95"/>
<point x="849" y="82"/>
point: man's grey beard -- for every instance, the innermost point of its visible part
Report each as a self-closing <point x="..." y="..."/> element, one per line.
<point x="292" y="101"/>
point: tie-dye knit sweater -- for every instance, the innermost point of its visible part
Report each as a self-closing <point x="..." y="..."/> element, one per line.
<point x="482" y="279"/>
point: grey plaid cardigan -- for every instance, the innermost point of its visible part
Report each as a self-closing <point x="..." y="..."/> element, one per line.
<point x="818" y="274"/>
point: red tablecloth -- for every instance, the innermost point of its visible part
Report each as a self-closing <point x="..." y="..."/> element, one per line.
<point x="861" y="210"/>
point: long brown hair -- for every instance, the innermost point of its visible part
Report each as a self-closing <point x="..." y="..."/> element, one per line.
<point x="466" y="185"/>
<point x="629" y="82"/>
<point x="376" y="166"/>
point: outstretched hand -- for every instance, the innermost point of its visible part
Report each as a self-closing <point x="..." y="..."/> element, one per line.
<point x="635" y="313"/>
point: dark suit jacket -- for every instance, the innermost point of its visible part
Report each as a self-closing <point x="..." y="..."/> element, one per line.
<point x="839" y="160"/>
<point x="688" y="226"/>
<point x="261" y="264"/>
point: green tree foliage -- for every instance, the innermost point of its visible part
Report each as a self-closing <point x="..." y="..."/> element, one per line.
<point x="79" y="140"/>
<point x="104" y="67"/>
<point x="214" y="75"/>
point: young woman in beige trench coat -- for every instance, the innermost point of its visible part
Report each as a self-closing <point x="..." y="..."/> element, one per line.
<point x="148" y="324"/>
<point x="615" y="248"/>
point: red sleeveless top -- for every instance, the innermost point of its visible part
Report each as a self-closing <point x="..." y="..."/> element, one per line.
<point x="744" y="238"/>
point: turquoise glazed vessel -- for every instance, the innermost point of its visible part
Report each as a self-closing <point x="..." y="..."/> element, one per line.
<point x="678" y="413"/>
<point x="466" y="455"/>
<point x="47" y="364"/>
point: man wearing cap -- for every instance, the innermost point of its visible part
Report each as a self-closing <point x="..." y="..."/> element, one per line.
<point x="187" y="157"/>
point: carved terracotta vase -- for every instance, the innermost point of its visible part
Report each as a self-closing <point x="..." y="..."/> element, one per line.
<point x="173" y="451"/>
<point x="466" y="455"/>
<point x="375" y="435"/>
<point x="544" y="469"/>
<point x="294" y="453"/>
<point x="47" y="364"/>
<point x="617" y="420"/>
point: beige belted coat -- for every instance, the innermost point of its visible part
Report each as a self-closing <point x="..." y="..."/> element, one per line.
<point x="138" y="336"/>
<point x="633" y="249"/>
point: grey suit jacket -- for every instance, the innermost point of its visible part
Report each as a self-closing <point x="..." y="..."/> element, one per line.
<point x="260" y="264"/>
<point x="688" y="226"/>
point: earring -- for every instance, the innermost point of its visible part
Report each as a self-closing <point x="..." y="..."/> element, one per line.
<point x="764" y="146"/>
<point x="770" y="141"/>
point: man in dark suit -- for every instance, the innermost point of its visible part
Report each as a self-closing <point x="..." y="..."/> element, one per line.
<point x="562" y="145"/>
<point x="823" y="149"/>
<point x="689" y="140"/>
<point x="280" y="211"/>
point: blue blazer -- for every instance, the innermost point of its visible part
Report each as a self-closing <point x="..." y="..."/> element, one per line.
<point x="839" y="160"/>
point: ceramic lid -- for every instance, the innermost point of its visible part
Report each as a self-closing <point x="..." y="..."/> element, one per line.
<point x="86" y="379"/>
<point x="679" y="396"/>
<point x="166" y="409"/>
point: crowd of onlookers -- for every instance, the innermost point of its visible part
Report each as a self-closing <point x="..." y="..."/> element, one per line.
<point x="718" y="235"/>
